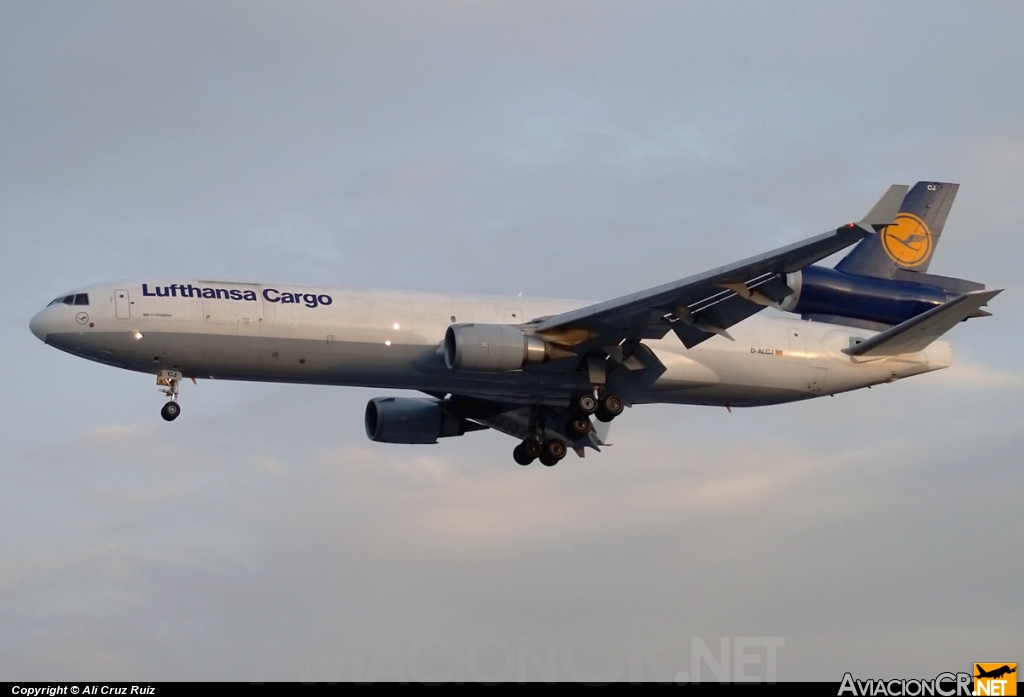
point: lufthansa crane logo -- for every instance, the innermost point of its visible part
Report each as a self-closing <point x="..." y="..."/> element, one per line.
<point x="908" y="241"/>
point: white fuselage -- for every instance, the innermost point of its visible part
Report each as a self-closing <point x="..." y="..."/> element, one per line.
<point x="391" y="339"/>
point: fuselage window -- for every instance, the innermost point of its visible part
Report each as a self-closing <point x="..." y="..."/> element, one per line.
<point x="82" y="299"/>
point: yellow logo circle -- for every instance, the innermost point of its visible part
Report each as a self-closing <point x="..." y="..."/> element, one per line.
<point x="908" y="241"/>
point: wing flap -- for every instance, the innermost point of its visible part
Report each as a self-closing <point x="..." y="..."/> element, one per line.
<point x="918" y="332"/>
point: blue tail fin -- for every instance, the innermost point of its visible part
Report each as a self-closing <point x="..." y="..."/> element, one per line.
<point x="910" y="242"/>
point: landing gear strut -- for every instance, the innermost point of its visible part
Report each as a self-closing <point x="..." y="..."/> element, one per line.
<point x="169" y="380"/>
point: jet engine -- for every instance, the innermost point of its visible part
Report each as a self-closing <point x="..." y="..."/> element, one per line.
<point x="413" y="421"/>
<point x="491" y="347"/>
<point x="819" y="292"/>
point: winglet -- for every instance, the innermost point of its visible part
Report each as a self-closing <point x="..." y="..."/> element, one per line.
<point x="884" y="212"/>
<point x="918" y="332"/>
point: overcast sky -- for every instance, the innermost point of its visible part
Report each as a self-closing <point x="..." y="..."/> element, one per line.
<point x="578" y="150"/>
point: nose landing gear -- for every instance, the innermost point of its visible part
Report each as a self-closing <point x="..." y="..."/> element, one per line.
<point x="169" y="380"/>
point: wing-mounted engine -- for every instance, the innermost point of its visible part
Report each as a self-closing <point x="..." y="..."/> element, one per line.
<point x="495" y="347"/>
<point x="413" y="421"/>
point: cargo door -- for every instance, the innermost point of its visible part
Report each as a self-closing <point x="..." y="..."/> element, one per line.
<point x="122" y="305"/>
<point x="232" y="303"/>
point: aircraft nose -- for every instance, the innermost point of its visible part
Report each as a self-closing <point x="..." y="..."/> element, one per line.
<point x="42" y="324"/>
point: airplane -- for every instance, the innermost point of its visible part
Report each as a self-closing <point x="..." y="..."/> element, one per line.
<point x="554" y="373"/>
<point x="995" y="673"/>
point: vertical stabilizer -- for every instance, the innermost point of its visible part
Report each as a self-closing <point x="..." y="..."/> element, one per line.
<point x="910" y="241"/>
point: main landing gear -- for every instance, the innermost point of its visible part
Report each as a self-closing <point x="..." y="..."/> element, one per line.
<point x="587" y="405"/>
<point x="549" y="452"/>
<point x="605" y="407"/>
<point x="169" y="380"/>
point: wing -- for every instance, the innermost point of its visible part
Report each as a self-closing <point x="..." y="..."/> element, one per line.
<point x="695" y="308"/>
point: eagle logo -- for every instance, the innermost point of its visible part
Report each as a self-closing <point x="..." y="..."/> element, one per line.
<point x="908" y="241"/>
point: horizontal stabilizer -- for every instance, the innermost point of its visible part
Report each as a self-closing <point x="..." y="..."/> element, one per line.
<point x="883" y="213"/>
<point x="916" y="333"/>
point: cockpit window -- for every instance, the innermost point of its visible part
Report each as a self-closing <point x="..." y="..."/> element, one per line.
<point x="78" y="299"/>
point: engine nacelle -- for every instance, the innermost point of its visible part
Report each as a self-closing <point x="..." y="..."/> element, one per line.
<point x="821" y="291"/>
<point x="412" y="421"/>
<point x="491" y="347"/>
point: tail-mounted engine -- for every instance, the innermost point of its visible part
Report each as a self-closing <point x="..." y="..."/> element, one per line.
<point x="822" y="293"/>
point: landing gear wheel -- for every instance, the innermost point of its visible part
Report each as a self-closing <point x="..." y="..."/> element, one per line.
<point x="585" y="404"/>
<point x="611" y="406"/>
<point x="531" y="447"/>
<point x="580" y="427"/>
<point x="554" y="450"/>
<point x="521" y="455"/>
<point x="167" y="381"/>
<point x="170" y="411"/>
